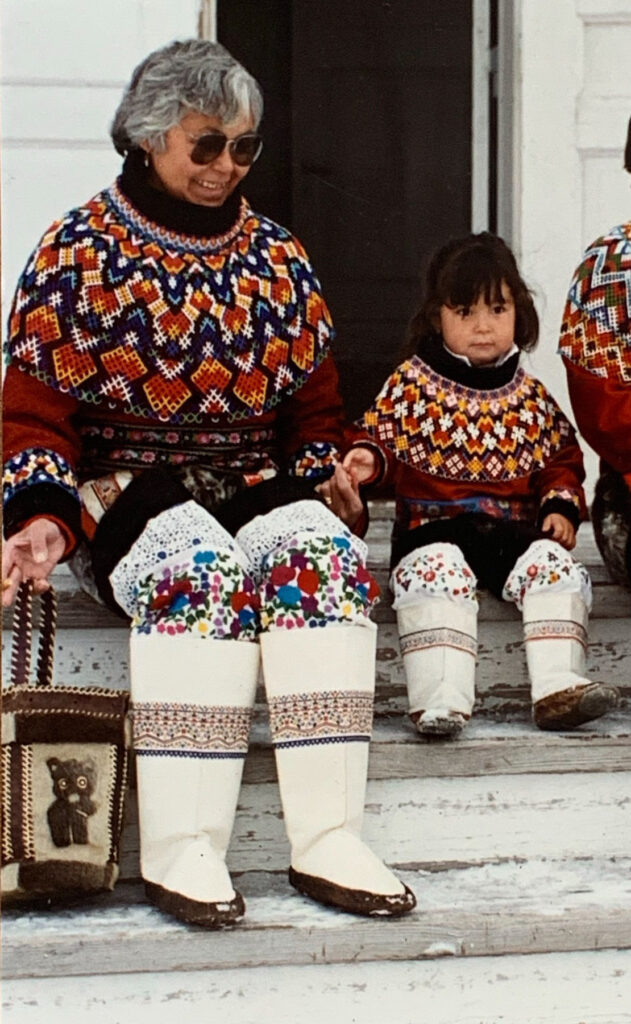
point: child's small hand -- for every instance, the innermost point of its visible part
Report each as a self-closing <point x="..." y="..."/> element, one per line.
<point x="557" y="527"/>
<point x="361" y="465"/>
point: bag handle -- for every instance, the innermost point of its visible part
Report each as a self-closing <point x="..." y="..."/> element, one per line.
<point x="23" y="636"/>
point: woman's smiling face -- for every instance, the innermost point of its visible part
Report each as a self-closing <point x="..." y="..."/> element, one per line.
<point x="173" y="171"/>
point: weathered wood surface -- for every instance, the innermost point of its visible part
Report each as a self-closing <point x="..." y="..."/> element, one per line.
<point x="100" y="657"/>
<point x="539" y="906"/>
<point x="559" y="988"/>
<point x="432" y="823"/>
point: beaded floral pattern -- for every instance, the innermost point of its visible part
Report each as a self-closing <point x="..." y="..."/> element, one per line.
<point x="436" y="570"/>
<point x="314" y="461"/>
<point x="38" y="466"/>
<point x="207" y="593"/>
<point x="547" y="566"/>
<point x="315" y="580"/>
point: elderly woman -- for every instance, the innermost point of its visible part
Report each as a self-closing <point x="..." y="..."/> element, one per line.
<point x="595" y="344"/>
<point x="171" y="407"/>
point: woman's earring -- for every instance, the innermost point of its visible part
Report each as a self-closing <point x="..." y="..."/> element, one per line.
<point x="146" y="159"/>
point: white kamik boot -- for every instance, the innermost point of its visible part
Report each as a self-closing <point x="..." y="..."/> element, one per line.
<point x="555" y="633"/>
<point x="438" y="646"/>
<point x="192" y="701"/>
<point x="320" y="693"/>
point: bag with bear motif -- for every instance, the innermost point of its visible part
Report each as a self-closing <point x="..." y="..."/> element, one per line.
<point x="65" y="753"/>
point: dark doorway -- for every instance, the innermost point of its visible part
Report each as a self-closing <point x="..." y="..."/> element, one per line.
<point x="367" y="152"/>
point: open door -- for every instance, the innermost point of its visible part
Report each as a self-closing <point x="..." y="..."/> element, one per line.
<point x="367" y="152"/>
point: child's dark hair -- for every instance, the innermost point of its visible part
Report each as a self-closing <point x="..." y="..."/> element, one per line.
<point x="462" y="270"/>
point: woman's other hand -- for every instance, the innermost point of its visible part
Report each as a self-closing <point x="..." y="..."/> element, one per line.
<point x="32" y="554"/>
<point x="341" y="495"/>
<point x="557" y="527"/>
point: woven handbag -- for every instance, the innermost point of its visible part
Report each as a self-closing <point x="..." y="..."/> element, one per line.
<point x="65" y="753"/>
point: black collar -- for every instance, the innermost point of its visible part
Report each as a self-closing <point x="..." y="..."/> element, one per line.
<point x="171" y="213"/>
<point x="481" y="378"/>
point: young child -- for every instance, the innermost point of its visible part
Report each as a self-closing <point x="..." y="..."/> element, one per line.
<point x="487" y="474"/>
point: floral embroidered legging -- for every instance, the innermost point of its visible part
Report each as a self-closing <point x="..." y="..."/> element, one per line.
<point x="298" y="567"/>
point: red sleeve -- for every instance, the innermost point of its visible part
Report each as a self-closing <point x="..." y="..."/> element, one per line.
<point x="602" y="407"/>
<point x="312" y="419"/>
<point x="40" y="451"/>
<point x="559" y="485"/>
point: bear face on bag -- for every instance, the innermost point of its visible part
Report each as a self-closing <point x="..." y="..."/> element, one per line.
<point x="73" y="785"/>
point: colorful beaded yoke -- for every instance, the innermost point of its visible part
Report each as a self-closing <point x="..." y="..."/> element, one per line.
<point x="453" y="432"/>
<point x="596" y="328"/>
<point x="119" y="312"/>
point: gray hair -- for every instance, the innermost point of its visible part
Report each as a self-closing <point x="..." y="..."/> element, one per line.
<point x="191" y="75"/>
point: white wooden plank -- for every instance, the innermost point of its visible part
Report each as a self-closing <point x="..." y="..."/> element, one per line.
<point x="100" y="658"/>
<point x="540" y="906"/>
<point x="560" y="988"/>
<point x="441" y="821"/>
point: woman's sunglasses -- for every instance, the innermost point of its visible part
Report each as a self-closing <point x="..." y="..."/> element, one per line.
<point x="244" y="150"/>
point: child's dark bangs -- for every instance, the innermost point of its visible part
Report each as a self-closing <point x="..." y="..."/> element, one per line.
<point x="465" y="280"/>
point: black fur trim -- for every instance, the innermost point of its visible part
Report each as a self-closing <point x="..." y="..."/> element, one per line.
<point x="262" y="498"/>
<point x="147" y="496"/>
<point x="563" y="508"/>
<point x="611" y="516"/>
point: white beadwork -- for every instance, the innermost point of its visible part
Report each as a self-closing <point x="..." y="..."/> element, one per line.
<point x="544" y="568"/>
<point x="165" y="538"/>
<point x="434" y="570"/>
<point x="265" y="534"/>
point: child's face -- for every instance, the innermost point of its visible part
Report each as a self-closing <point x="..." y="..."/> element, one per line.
<point x="483" y="332"/>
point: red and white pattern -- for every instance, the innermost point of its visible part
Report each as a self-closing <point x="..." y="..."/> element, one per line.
<point x="190" y="730"/>
<point x="596" y="327"/>
<point x="444" y="429"/>
<point x="304" y="719"/>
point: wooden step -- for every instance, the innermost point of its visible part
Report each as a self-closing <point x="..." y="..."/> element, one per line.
<point x="495" y="909"/>
<point x="554" y="988"/>
<point x="430" y="823"/>
<point x="515" y="841"/>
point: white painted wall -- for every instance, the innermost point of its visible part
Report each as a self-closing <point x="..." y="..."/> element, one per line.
<point x="572" y="106"/>
<point x="64" y="64"/>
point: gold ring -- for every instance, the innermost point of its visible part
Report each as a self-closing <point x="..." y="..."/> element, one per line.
<point x="328" y="500"/>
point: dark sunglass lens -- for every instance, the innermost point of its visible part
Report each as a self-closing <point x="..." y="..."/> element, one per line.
<point x="246" y="149"/>
<point x="208" y="148"/>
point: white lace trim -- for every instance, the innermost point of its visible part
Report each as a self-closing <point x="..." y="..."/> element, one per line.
<point x="434" y="570"/>
<point x="179" y="530"/>
<point x="547" y="567"/>
<point x="266" y="534"/>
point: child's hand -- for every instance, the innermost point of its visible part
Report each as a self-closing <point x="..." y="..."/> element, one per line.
<point x="557" y="527"/>
<point x="361" y="464"/>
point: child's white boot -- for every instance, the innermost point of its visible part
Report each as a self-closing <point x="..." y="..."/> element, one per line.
<point x="555" y="633"/>
<point x="438" y="646"/>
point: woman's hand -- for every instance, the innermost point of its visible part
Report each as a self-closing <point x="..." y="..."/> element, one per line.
<point x="557" y="527"/>
<point x="361" y="464"/>
<point x="32" y="554"/>
<point x="341" y="494"/>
